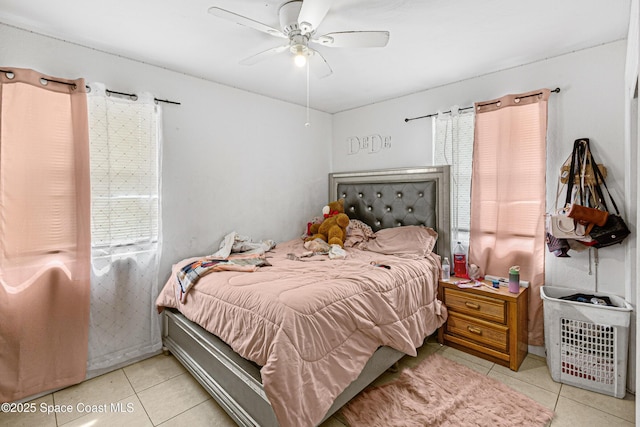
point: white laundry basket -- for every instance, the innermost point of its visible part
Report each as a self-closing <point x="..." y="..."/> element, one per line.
<point x="586" y="344"/>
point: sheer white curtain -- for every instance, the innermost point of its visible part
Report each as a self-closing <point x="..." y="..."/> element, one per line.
<point x="453" y="145"/>
<point x="125" y="146"/>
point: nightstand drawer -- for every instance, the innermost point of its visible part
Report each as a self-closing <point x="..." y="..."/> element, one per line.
<point x="484" y="333"/>
<point x="478" y="306"/>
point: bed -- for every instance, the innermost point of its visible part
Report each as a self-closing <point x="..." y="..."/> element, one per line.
<point x="309" y="333"/>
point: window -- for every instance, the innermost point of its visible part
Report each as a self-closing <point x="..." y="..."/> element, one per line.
<point x="508" y="193"/>
<point x="124" y="171"/>
<point x="125" y="145"/>
<point x="453" y="145"/>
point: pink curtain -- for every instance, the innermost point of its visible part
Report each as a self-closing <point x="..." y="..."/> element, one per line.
<point x="508" y="193"/>
<point x="44" y="233"/>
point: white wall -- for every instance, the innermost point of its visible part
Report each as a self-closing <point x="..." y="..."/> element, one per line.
<point x="632" y="155"/>
<point x="232" y="160"/>
<point x="590" y="104"/>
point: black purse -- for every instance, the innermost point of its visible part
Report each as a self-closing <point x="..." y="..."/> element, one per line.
<point x="614" y="230"/>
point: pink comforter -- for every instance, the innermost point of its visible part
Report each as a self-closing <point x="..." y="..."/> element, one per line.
<point x="312" y="325"/>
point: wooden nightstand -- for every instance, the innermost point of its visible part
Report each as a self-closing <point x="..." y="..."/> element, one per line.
<point x="486" y="323"/>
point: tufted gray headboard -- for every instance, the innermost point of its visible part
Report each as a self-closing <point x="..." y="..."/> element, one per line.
<point x="394" y="197"/>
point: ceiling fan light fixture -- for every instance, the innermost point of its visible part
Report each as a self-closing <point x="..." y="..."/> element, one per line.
<point x="300" y="60"/>
<point x="300" y="55"/>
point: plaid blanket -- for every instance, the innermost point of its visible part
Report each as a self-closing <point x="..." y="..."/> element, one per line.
<point x="189" y="274"/>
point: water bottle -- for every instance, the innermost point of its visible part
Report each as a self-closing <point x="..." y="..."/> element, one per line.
<point x="459" y="261"/>
<point x="446" y="269"/>
<point x="514" y="279"/>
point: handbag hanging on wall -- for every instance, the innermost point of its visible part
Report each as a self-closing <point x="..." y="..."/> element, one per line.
<point x="578" y="204"/>
<point x="614" y="230"/>
<point x="560" y="226"/>
<point x="589" y="176"/>
<point x="559" y="247"/>
<point x="587" y="216"/>
<point x="604" y="227"/>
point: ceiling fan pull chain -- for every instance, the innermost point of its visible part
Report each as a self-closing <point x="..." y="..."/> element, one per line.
<point x="308" y="123"/>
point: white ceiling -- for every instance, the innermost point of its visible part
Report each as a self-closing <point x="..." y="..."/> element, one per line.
<point x="432" y="42"/>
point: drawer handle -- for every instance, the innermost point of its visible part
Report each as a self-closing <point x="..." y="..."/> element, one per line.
<point x="472" y="305"/>
<point x="474" y="330"/>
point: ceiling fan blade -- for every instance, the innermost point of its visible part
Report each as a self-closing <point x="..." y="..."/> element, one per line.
<point x="354" y="39"/>
<point x="312" y="13"/>
<point x="319" y="66"/>
<point x="244" y="21"/>
<point x="254" y="59"/>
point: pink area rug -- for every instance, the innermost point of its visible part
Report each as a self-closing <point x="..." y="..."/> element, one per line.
<point x="441" y="392"/>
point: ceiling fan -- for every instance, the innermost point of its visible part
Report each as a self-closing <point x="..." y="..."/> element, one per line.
<point x="299" y="21"/>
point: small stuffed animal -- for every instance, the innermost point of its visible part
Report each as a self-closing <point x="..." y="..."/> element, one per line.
<point x="333" y="229"/>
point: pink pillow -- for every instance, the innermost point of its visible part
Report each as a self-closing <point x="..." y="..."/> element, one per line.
<point x="407" y="241"/>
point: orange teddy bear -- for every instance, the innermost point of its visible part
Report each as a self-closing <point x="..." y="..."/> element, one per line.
<point x="333" y="229"/>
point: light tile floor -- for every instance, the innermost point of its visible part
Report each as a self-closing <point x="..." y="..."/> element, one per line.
<point x="159" y="392"/>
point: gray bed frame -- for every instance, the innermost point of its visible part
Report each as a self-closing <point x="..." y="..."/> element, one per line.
<point x="383" y="198"/>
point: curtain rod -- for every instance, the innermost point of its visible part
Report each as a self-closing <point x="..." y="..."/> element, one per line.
<point x="435" y="114"/>
<point x="133" y="96"/>
<point x="41" y="79"/>
<point x="556" y="90"/>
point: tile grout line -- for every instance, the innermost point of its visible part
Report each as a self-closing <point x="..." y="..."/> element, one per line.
<point x="135" y="392"/>
<point x="106" y="373"/>
<point x="516" y="378"/>
<point x="493" y="368"/>
<point x="177" y="415"/>
<point x="597" y="408"/>
<point x="162" y="382"/>
<point x="594" y="408"/>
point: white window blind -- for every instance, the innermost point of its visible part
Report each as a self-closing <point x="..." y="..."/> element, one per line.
<point x="453" y="145"/>
<point x="124" y="171"/>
